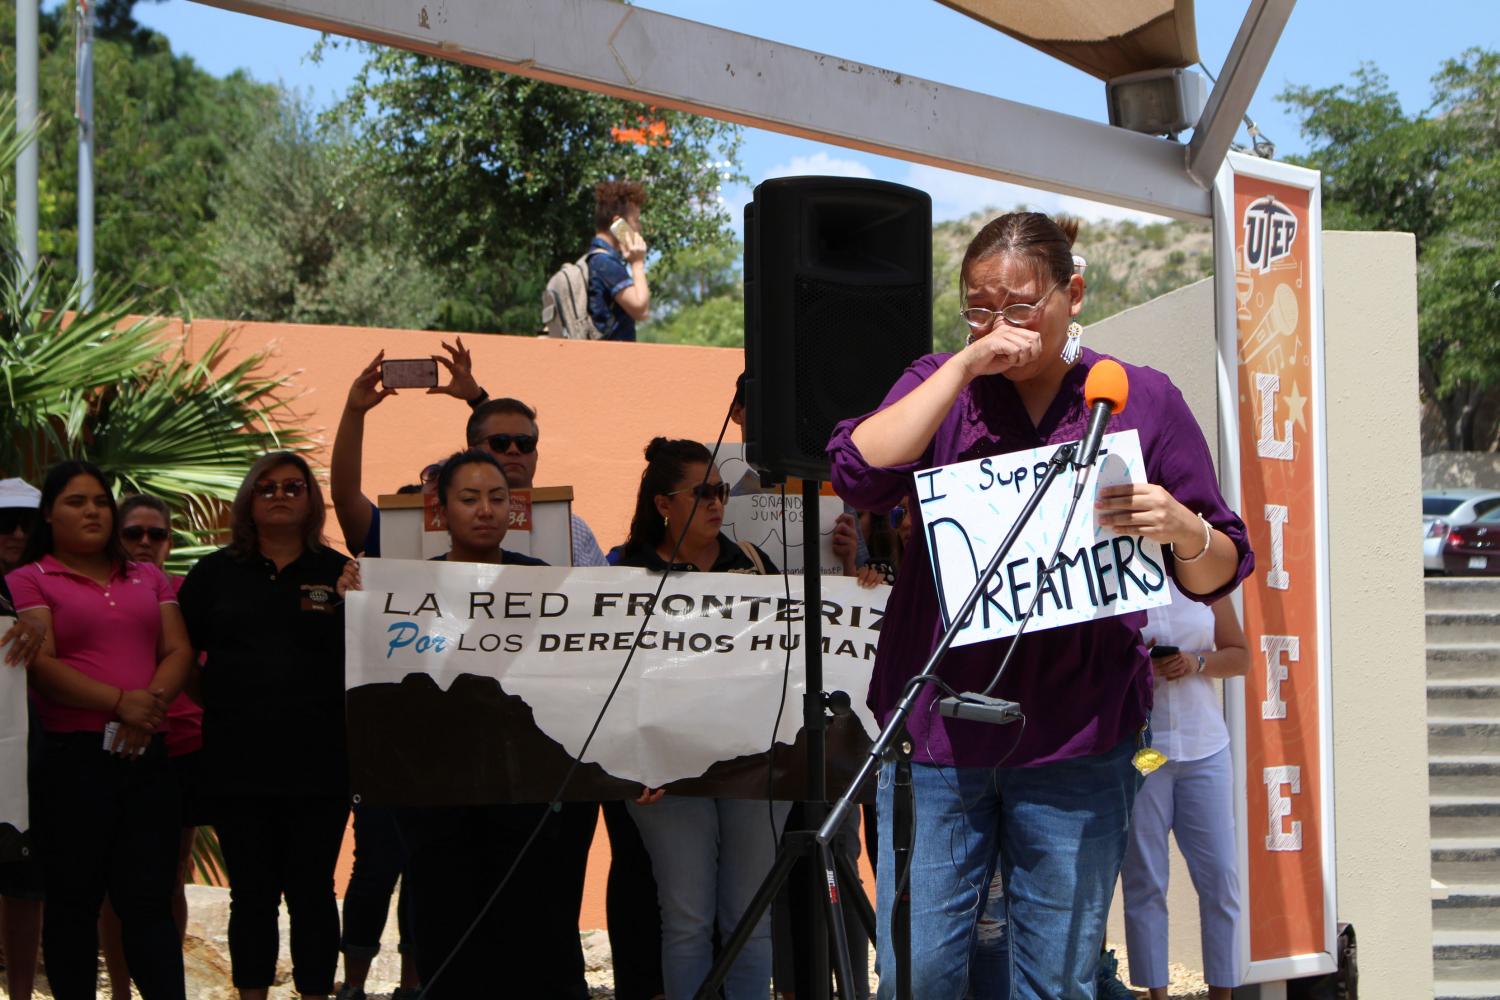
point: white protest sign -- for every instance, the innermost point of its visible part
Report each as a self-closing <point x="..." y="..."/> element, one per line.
<point x="14" y="805"/>
<point x="753" y="514"/>
<point x="704" y="687"/>
<point x="969" y="507"/>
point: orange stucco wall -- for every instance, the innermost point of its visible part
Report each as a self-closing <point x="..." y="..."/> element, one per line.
<point x="597" y="403"/>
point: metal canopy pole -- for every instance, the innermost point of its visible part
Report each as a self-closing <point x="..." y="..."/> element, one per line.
<point x="27" y="16"/>
<point x="1243" y="68"/>
<point x="85" y="104"/>
<point x="638" y="54"/>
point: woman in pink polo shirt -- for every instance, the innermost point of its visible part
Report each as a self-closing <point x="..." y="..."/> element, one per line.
<point x="115" y="655"/>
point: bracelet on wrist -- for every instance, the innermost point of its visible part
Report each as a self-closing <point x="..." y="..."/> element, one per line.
<point x="478" y="400"/>
<point x="1208" y="538"/>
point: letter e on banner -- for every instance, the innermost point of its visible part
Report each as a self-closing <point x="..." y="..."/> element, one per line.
<point x="1279" y="807"/>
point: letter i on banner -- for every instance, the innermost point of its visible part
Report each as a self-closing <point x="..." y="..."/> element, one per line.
<point x="1267" y="216"/>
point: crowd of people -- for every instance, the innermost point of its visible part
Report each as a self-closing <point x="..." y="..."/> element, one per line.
<point x="161" y="704"/>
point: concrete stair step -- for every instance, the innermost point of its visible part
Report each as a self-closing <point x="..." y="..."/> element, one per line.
<point x="1472" y="661"/>
<point x="1466" y="860"/>
<point x="1462" y="594"/>
<point x="1462" y="699"/>
<point x="1458" y="774"/>
<point x="1466" y="954"/>
<point x="1477" y="989"/>
<point x="1463" y="626"/>
<point x="1464" y="816"/>
<point x="1448" y="735"/>
<point x="1468" y="908"/>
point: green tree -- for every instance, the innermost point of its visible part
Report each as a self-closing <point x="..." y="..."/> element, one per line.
<point x="498" y="171"/>
<point x="304" y="234"/>
<point x="1435" y="174"/>
<point x="164" y="132"/>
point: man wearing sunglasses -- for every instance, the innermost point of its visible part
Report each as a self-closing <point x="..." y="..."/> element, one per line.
<point x="506" y="428"/>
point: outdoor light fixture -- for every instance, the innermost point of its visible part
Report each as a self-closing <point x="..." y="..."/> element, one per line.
<point x="1156" y="101"/>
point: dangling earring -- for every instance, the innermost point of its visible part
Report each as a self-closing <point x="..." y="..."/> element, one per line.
<point x="1073" y="346"/>
<point x="666" y="521"/>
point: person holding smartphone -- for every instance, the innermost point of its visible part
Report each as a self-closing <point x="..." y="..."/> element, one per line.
<point x="1190" y="796"/>
<point x="619" y="296"/>
<point x="114" y="655"/>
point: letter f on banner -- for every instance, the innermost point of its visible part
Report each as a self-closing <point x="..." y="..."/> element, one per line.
<point x="1269" y="446"/>
<point x="1276" y="671"/>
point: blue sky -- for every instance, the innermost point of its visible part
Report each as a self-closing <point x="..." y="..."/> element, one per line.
<point x="1324" y="42"/>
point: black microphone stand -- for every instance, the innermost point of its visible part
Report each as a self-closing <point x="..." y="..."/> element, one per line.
<point x="823" y="901"/>
<point x="894" y="740"/>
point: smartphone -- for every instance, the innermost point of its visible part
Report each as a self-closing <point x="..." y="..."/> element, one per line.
<point x="619" y="228"/>
<point x="413" y="373"/>
<point x="1159" y="651"/>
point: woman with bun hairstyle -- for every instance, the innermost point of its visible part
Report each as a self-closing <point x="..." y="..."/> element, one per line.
<point x="1047" y="800"/>
<point x="709" y="855"/>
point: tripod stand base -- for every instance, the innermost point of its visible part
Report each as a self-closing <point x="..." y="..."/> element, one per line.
<point x="980" y="708"/>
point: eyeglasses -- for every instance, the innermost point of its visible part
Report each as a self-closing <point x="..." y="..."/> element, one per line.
<point x="289" y="488"/>
<point x="136" y="532"/>
<point x="500" y="443"/>
<point x="12" y="518"/>
<point x="1016" y="314"/>
<point x="705" y="492"/>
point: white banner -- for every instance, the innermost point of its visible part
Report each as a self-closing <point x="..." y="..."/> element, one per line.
<point x="433" y="643"/>
<point x="969" y="507"/>
<point x="14" y="808"/>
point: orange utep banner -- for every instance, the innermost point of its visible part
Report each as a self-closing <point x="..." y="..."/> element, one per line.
<point x="1277" y="306"/>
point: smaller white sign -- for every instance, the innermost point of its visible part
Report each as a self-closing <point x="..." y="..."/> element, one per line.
<point x="14" y="808"/>
<point x="969" y="507"/>
<point x="754" y="514"/>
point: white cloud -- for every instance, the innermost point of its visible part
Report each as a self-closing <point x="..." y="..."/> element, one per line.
<point x="820" y="164"/>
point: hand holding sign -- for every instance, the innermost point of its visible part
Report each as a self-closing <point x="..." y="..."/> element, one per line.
<point x="1149" y="511"/>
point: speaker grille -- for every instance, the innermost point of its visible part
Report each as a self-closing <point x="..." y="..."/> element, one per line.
<point x="851" y="343"/>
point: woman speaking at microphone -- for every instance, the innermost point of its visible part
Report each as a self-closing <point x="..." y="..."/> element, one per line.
<point x="1045" y="802"/>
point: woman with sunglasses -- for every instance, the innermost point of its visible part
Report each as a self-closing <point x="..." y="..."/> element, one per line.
<point x="114" y="656"/>
<point x="1049" y="801"/>
<point x="264" y="614"/>
<point x="709" y="855"/>
<point x="146" y="533"/>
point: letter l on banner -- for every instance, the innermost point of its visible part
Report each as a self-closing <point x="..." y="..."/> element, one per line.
<point x="1268" y="301"/>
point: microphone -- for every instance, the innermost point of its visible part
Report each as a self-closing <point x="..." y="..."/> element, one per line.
<point x="1105" y="391"/>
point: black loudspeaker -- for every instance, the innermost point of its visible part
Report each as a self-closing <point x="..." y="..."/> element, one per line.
<point x="838" y="302"/>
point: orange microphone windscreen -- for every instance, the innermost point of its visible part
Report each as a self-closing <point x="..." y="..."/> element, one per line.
<point x="1107" y="381"/>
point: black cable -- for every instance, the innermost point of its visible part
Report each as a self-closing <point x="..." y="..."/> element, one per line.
<point x="1036" y="598"/>
<point x="786" y="670"/>
<point x="555" y="803"/>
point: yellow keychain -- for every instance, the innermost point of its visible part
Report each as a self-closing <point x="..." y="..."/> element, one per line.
<point x="1146" y="759"/>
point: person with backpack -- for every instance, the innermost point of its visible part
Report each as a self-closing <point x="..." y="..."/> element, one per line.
<point x="603" y="294"/>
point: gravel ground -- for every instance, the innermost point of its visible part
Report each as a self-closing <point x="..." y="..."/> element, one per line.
<point x="206" y="957"/>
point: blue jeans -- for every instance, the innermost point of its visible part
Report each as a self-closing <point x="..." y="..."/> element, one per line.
<point x="709" y="856"/>
<point x="1057" y="833"/>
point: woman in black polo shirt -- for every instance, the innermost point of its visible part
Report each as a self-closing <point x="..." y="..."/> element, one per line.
<point x="526" y="944"/>
<point x="709" y="855"/>
<point x="265" y="614"/>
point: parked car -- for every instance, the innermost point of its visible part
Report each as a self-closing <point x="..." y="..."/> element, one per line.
<point x="1474" y="549"/>
<point x="1443" y="510"/>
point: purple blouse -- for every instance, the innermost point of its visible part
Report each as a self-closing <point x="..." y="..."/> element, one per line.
<point x="1084" y="688"/>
